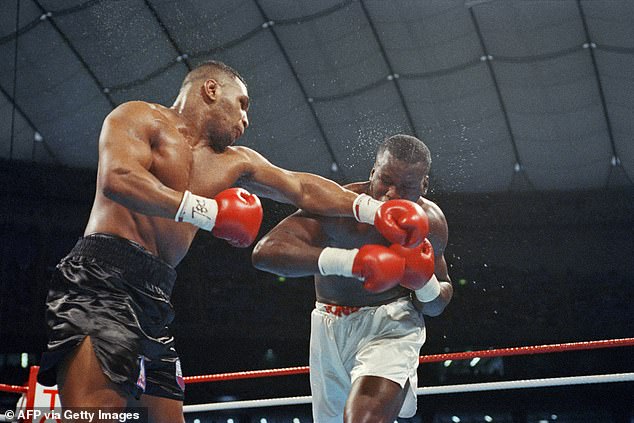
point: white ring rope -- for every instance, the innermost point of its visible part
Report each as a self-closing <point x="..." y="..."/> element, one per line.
<point x="231" y="405"/>
<point x="526" y="383"/>
<point x="431" y="390"/>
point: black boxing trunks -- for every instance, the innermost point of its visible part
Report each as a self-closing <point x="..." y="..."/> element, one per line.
<point x="116" y="292"/>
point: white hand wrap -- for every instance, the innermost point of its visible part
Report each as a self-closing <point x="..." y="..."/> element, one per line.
<point x="364" y="208"/>
<point x="430" y="291"/>
<point x="197" y="210"/>
<point x="336" y="261"/>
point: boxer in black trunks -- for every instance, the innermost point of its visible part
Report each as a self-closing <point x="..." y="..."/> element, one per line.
<point x="165" y="172"/>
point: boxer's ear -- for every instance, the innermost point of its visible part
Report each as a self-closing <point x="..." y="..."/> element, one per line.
<point x="210" y="89"/>
<point x="425" y="185"/>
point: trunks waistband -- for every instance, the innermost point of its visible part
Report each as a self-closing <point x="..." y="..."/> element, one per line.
<point x="135" y="263"/>
<point x="342" y="310"/>
<point x="339" y="311"/>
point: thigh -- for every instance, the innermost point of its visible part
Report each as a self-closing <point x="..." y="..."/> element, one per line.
<point x="82" y="382"/>
<point x="374" y="399"/>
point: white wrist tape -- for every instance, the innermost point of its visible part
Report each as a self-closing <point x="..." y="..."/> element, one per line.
<point x="430" y="291"/>
<point x="336" y="261"/>
<point x="364" y="208"/>
<point x="197" y="210"/>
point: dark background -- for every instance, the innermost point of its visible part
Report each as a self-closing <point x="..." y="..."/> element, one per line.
<point x="527" y="107"/>
<point x="527" y="269"/>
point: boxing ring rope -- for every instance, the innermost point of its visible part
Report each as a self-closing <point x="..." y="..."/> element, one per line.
<point x="14" y="388"/>
<point x="528" y="350"/>
<point x="432" y="390"/>
<point x="28" y="391"/>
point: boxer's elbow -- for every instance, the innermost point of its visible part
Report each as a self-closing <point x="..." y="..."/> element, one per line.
<point x="266" y="255"/>
<point x="285" y="256"/>
<point x="258" y="256"/>
<point x="113" y="184"/>
<point x="126" y="186"/>
<point x="435" y="308"/>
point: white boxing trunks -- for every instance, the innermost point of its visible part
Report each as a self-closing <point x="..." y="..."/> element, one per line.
<point x="349" y="342"/>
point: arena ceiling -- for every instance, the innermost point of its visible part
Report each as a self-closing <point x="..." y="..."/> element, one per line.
<point x="509" y="95"/>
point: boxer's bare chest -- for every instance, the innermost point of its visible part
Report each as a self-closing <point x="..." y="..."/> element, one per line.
<point x="198" y="169"/>
<point x="348" y="233"/>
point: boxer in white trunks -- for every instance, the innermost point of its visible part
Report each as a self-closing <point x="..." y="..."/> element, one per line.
<point x="366" y="334"/>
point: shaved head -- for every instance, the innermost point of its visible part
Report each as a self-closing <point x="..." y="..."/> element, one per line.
<point x="406" y="148"/>
<point x="211" y="70"/>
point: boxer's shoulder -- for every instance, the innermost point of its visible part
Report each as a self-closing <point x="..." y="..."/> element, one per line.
<point x="140" y="119"/>
<point x="433" y="211"/>
<point x="438" y="230"/>
<point x="137" y="108"/>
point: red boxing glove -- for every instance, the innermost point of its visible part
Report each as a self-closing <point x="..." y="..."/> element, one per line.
<point x="403" y="222"/>
<point x="419" y="264"/>
<point x="239" y="217"/>
<point x="234" y="215"/>
<point x="399" y="221"/>
<point x="379" y="267"/>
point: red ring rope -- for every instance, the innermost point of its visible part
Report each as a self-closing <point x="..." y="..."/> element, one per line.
<point x="14" y="388"/>
<point x="538" y="349"/>
<point x="247" y="375"/>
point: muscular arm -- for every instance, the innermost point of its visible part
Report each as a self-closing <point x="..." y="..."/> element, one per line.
<point x="292" y="248"/>
<point x="306" y="191"/>
<point x="125" y="157"/>
<point x="438" y="236"/>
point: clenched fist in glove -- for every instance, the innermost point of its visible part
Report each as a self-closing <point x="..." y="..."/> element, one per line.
<point x="234" y="215"/>
<point x="419" y="270"/>
<point x="400" y="221"/>
<point x="379" y="267"/>
<point x="419" y="264"/>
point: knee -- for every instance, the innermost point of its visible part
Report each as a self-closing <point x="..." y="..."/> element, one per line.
<point x="367" y="414"/>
